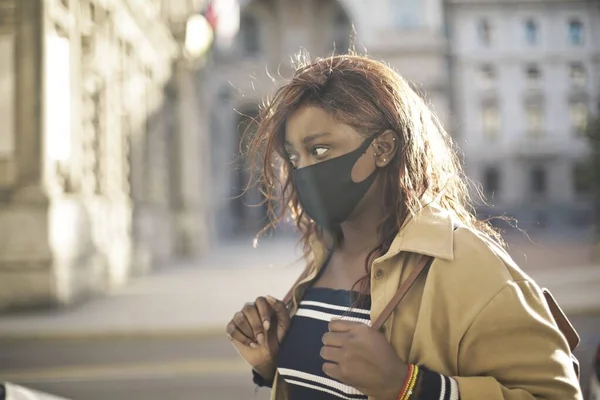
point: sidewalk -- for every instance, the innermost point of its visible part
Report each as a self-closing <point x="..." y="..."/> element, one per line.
<point x="200" y="299"/>
<point x="176" y="300"/>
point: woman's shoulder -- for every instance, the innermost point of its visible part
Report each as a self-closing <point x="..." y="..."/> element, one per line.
<point x="479" y="270"/>
<point x="476" y="254"/>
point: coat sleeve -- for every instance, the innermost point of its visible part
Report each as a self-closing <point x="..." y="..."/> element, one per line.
<point x="513" y="350"/>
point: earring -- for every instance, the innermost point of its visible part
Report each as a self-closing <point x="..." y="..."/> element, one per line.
<point x="384" y="160"/>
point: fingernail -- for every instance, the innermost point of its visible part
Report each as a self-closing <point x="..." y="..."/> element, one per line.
<point x="271" y="299"/>
<point x="266" y="325"/>
<point x="253" y="345"/>
<point x="260" y="338"/>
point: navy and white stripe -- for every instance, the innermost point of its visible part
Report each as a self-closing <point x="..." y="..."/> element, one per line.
<point x="299" y="360"/>
<point x="326" y="312"/>
<point x="434" y="386"/>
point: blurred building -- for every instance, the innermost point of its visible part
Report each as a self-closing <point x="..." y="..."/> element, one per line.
<point x="526" y="75"/>
<point x="99" y="149"/>
<point x="120" y="142"/>
<point x="408" y="34"/>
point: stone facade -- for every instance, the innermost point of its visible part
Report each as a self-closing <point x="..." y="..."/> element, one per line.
<point x="93" y="189"/>
<point x="526" y="78"/>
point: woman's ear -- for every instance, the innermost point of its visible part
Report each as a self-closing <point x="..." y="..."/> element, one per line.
<point x="386" y="146"/>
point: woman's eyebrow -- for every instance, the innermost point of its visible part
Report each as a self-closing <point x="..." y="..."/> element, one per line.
<point x="310" y="138"/>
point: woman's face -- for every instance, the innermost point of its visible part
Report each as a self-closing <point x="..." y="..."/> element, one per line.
<point x="312" y="135"/>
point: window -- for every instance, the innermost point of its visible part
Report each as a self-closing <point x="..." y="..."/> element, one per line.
<point x="533" y="73"/>
<point x="491" y="120"/>
<point x="575" y="32"/>
<point x="579" y="114"/>
<point x="582" y="178"/>
<point x="487" y="76"/>
<point x="538" y="181"/>
<point x="491" y="182"/>
<point x="249" y="35"/>
<point x="577" y="74"/>
<point x="407" y="13"/>
<point x="535" y="120"/>
<point x="531" y="32"/>
<point x="92" y="11"/>
<point x="484" y="32"/>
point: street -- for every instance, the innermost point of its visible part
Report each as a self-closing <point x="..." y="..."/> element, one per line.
<point x="177" y="367"/>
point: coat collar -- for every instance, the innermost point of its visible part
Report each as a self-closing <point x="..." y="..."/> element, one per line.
<point x="430" y="232"/>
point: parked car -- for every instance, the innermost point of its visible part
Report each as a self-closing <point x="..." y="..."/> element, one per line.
<point x="595" y="377"/>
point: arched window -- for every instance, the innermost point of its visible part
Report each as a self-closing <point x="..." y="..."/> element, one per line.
<point x="575" y="31"/>
<point x="578" y="74"/>
<point x="538" y="181"/>
<point x="531" y="32"/>
<point x="491" y="182"/>
<point x="484" y="32"/>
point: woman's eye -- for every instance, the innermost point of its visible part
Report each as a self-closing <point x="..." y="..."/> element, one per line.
<point x="319" y="151"/>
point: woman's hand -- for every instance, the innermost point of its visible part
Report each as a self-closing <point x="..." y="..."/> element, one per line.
<point x="361" y="357"/>
<point x="248" y="332"/>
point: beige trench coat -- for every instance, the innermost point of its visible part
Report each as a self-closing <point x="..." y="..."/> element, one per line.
<point x="475" y="316"/>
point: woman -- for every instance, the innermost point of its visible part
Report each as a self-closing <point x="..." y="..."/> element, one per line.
<point x="374" y="185"/>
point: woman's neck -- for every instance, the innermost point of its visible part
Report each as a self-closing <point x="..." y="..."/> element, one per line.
<point x="361" y="234"/>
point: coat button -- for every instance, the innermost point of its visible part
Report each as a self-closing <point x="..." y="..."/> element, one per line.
<point x="379" y="274"/>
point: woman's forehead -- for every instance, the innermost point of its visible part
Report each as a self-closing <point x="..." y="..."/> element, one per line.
<point x="311" y="121"/>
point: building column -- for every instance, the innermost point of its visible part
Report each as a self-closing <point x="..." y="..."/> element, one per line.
<point x="29" y="41"/>
<point x="193" y="161"/>
<point x="515" y="174"/>
<point x="7" y="97"/>
<point x="560" y="181"/>
<point x="25" y="253"/>
<point x="66" y="216"/>
<point x="223" y="147"/>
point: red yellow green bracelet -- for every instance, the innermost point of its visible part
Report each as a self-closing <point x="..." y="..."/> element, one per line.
<point x="409" y="383"/>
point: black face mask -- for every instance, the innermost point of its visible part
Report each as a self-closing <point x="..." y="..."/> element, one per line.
<point x="326" y="190"/>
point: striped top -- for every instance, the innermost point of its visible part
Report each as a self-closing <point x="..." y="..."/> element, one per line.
<point x="299" y="361"/>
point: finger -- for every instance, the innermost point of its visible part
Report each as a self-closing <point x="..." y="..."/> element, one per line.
<point x="282" y="314"/>
<point x="251" y="313"/>
<point x="236" y="335"/>
<point x="333" y="354"/>
<point x="332" y="370"/>
<point x="241" y="322"/>
<point x="338" y="325"/>
<point x="264" y="311"/>
<point x="334" y="339"/>
<point x="281" y="310"/>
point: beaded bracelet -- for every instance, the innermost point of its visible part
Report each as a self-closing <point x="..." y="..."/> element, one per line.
<point x="409" y="383"/>
<point x="406" y="381"/>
